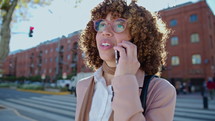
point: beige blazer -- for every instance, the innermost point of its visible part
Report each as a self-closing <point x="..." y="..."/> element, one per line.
<point x="126" y="105"/>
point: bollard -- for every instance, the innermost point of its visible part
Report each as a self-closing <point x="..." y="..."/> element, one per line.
<point x="205" y="102"/>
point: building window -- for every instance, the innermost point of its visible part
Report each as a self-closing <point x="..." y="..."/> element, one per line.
<point x="68" y="41"/>
<point x="74" y="57"/>
<point x="209" y="21"/>
<point x="194" y="37"/>
<point x="175" y="60"/>
<point x="68" y="57"/>
<point x="211" y="41"/>
<point x="193" y="18"/>
<point x="212" y="60"/>
<point x="46" y="51"/>
<point x="50" y="70"/>
<point x="68" y="47"/>
<point x="174" y="41"/>
<point x="56" y="59"/>
<point x="173" y="22"/>
<point x="75" y="46"/>
<point x="36" y="72"/>
<point x="196" y="59"/>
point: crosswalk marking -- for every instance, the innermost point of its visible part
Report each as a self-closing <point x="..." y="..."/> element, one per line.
<point x="54" y="117"/>
<point x="48" y="108"/>
<point x="188" y="109"/>
<point x="62" y="108"/>
<point x="194" y="115"/>
<point x="195" y="111"/>
<point x="186" y="119"/>
<point x="71" y="108"/>
<point x="54" y="101"/>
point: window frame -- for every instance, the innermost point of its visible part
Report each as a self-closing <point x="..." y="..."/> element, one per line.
<point x="193" y="18"/>
<point x="194" y="38"/>
<point x="175" y="62"/>
<point x="194" y="61"/>
<point x="173" y="22"/>
<point x="174" y="41"/>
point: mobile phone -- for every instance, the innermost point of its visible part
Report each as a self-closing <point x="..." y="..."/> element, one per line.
<point x="117" y="53"/>
<point x="117" y="56"/>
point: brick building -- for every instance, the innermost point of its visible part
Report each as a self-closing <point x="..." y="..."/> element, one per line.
<point x="191" y="47"/>
<point x="51" y="58"/>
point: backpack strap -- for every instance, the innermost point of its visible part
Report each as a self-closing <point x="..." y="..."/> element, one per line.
<point x="143" y="95"/>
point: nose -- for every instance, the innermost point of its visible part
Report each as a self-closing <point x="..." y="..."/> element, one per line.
<point x="107" y="31"/>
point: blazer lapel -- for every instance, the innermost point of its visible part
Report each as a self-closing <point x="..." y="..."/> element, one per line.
<point x="86" y="101"/>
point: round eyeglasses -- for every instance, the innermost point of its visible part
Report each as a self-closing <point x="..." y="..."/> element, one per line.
<point x="117" y="25"/>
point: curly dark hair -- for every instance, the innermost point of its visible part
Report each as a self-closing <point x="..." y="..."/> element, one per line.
<point x="148" y="32"/>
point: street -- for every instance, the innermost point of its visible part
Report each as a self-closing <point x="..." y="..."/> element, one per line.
<point x="40" y="107"/>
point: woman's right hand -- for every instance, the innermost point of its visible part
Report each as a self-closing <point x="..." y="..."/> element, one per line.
<point x="128" y="62"/>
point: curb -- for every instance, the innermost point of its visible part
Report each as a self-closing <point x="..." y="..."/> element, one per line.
<point x="44" y="92"/>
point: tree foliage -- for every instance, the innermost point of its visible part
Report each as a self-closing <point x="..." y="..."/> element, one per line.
<point x="15" y="11"/>
<point x="7" y="10"/>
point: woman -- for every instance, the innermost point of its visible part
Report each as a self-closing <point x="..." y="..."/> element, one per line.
<point x="112" y="93"/>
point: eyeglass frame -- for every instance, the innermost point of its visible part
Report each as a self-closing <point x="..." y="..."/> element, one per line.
<point x="110" y="23"/>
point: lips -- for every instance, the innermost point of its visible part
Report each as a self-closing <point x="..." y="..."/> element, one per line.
<point x="106" y="44"/>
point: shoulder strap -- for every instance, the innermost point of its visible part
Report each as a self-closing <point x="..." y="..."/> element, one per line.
<point x="143" y="95"/>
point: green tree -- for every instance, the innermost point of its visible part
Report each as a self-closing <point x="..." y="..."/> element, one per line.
<point x="7" y="10"/>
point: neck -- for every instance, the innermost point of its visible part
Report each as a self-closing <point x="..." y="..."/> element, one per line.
<point x="108" y="69"/>
<point x="108" y="72"/>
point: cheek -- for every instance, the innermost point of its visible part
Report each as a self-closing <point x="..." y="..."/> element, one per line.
<point x="125" y="37"/>
<point x="97" y="38"/>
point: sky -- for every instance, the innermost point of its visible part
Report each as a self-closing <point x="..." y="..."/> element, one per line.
<point x="62" y="18"/>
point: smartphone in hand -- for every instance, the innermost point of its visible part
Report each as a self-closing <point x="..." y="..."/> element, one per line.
<point x="117" y="53"/>
<point x="117" y="56"/>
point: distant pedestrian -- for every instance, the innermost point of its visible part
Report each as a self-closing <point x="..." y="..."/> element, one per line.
<point x="210" y="86"/>
<point x="204" y="89"/>
<point x="177" y="87"/>
<point x="189" y="86"/>
<point x="184" y="88"/>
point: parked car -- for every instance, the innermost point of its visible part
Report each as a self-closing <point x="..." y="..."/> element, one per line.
<point x="64" y="83"/>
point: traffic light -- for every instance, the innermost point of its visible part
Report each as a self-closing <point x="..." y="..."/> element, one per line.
<point x="31" y="32"/>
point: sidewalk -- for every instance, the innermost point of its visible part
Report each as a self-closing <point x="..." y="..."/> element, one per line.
<point x="196" y="100"/>
<point x="8" y="114"/>
<point x="194" y="95"/>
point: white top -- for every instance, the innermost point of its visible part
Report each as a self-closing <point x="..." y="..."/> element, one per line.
<point x="101" y="102"/>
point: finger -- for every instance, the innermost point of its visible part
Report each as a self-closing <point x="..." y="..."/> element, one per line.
<point x="131" y="48"/>
<point x="122" y="51"/>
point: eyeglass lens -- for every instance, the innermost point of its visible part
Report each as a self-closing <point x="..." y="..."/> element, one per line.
<point x="117" y="26"/>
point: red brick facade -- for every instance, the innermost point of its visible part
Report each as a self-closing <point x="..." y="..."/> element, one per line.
<point x="186" y="21"/>
<point x="51" y="58"/>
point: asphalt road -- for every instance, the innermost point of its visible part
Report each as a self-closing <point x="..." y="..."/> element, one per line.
<point x="41" y="107"/>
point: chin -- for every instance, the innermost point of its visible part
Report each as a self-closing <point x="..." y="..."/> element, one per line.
<point x="106" y="57"/>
